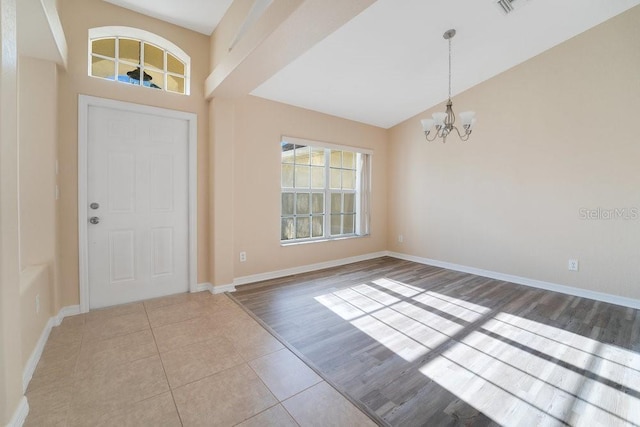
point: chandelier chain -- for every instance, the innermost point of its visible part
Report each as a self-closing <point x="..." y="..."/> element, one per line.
<point x="450" y="67"/>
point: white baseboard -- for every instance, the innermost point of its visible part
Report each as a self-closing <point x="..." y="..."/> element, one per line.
<point x="215" y="289"/>
<point x="20" y="414"/>
<point x="219" y="289"/>
<point x="569" y="290"/>
<point x="70" y="310"/>
<point x="304" y="269"/>
<point x="205" y="286"/>
<point x="54" y="321"/>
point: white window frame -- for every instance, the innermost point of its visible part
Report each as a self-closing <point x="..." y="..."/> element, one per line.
<point x="142" y="36"/>
<point x="327" y="191"/>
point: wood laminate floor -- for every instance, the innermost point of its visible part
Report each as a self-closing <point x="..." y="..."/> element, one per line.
<point x="419" y="345"/>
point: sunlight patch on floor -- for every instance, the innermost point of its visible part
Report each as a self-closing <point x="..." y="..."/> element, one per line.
<point x="515" y="370"/>
<point x="398" y="287"/>
<point x="531" y="382"/>
<point x="404" y="327"/>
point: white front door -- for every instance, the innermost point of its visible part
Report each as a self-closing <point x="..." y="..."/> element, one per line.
<point x="138" y="206"/>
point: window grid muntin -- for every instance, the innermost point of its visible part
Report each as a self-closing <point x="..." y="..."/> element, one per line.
<point x="141" y="64"/>
<point x="342" y="214"/>
<point x="327" y="191"/>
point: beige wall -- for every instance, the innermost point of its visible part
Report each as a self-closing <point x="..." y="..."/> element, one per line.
<point x="221" y="182"/>
<point x="554" y="135"/>
<point x="37" y="146"/>
<point x="77" y="17"/>
<point x="10" y="328"/>
<point x="35" y="281"/>
<point x="37" y="152"/>
<point x="246" y="146"/>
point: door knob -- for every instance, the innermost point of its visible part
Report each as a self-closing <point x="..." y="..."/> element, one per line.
<point x="94" y="205"/>
<point x="94" y="220"/>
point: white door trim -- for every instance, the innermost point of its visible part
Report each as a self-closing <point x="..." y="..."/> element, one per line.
<point x="84" y="102"/>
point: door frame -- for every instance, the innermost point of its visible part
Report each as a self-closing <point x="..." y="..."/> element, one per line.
<point x="86" y="101"/>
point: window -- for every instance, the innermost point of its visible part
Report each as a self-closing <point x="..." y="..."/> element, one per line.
<point x="324" y="191"/>
<point x="137" y="57"/>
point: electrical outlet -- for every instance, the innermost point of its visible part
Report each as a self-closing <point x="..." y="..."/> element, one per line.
<point x="400" y="238"/>
<point x="573" y="265"/>
<point x="37" y="303"/>
<point x="243" y="256"/>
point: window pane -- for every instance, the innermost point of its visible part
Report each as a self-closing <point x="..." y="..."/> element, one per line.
<point x="287" y="203"/>
<point x="336" y="159"/>
<point x="302" y="155"/>
<point x="317" y="226"/>
<point x="348" y="160"/>
<point x="348" y="222"/>
<point x="103" y="68"/>
<point x="287" y="176"/>
<point x="317" y="203"/>
<point x="153" y="57"/>
<point x="349" y="203"/>
<point x="336" y="202"/>
<point x="335" y="224"/>
<point x="335" y="179"/>
<point x="128" y="73"/>
<point x="174" y="65"/>
<point x="302" y="176"/>
<point x="303" y="227"/>
<point x="175" y="84"/>
<point x="287" y="152"/>
<point x="104" y="47"/>
<point x="317" y="177"/>
<point x="153" y="79"/>
<point x="317" y="156"/>
<point x="287" y="230"/>
<point x="303" y="204"/>
<point x="349" y="179"/>
<point x="317" y="173"/>
<point x="129" y="50"/>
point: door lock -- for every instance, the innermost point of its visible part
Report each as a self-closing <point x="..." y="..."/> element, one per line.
<point x="94" y="205"/>
<point x="94" y="220"/>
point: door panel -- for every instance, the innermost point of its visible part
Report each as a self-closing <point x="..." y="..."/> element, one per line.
<point x="138" y="175"/>
<point x="162" y="242"/>
<point x="121" y="255"/>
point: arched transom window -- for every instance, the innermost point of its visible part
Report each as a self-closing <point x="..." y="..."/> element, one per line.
<point x="138" y="57"/>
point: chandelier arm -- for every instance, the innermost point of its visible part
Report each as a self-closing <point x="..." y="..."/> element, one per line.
<point x="464" y="136"/>
<point x="435" y="136"/>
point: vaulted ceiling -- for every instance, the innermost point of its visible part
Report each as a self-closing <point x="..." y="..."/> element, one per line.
<point x="390" y="62"/>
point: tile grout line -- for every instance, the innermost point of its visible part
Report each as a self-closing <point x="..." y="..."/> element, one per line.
<point x="366" y="411"/>
<point x="84" y="342"/>
<point x="278" y="401"/>
<point x="163" y="368"/>
<point x="74" y="378"/>
<point x="245" y="361"/>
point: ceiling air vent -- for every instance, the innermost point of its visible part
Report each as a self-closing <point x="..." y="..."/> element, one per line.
<point x="508" y="6"/>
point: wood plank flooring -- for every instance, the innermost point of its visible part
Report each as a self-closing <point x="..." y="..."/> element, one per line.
<point x="418" y="345"/>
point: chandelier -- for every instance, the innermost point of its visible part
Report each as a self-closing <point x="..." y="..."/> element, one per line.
<point x="444" y="123"/>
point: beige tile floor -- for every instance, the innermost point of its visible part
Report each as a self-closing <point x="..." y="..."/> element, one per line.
<point x="188" y="359"/>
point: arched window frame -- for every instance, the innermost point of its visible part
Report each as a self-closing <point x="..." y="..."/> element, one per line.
<point x="143" y="37"/>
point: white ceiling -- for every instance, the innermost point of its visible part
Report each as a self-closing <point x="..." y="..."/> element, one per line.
<point x="201" y="16"/>
<point x="390" y="62"/>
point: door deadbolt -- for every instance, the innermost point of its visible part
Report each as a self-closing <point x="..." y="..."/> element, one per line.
<point x="94" y="220"/>
<point x="94" y="205"/>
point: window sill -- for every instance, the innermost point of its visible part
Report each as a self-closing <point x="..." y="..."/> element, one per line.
<point x="332" y="239"/>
